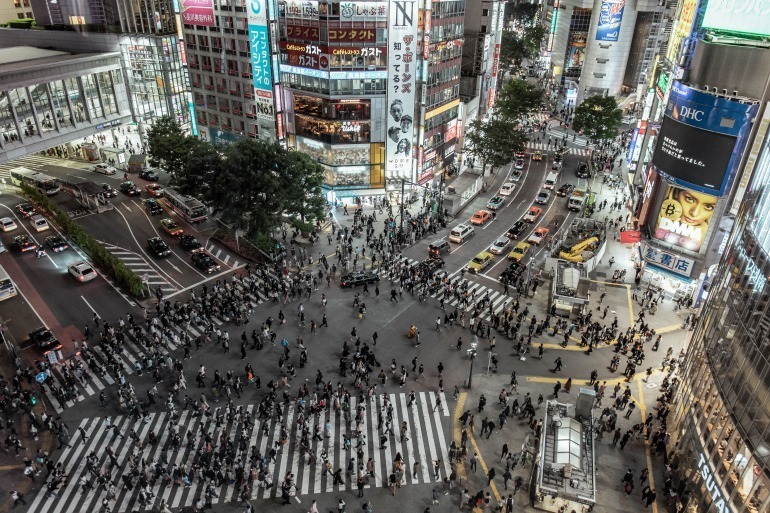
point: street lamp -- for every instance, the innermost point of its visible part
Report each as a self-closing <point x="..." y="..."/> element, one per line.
<point x="472" y="354"/>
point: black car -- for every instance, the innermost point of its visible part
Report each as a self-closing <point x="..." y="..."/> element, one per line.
<point x="24" y="243"/>
<point x="512" y="272"/>
<point x="359" y="278"/>
<point x="26" y="210"/>
<point x="56" y="243"/>
<point x="109" y="192"/>
<point x="153" y="207"/>
<point x="430" y="266"/>
<point x="130" y="188"/>
<point x="158" y="247"/>
<point x="516" y="230"/>
<point x="205" y="263"/>
<point x="150" y="176"/>
<point x="557" y="157"/>
<point x="42" y="338"/>
<point x="565" y="190"/>
<point x="190" y="244"/>
<point x="582" y="170"/>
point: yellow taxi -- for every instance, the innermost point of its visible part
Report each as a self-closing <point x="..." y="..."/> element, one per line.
<point x="518" y="252"/>
<point x="480" y="262"/>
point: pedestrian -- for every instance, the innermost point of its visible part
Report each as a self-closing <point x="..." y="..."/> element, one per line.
<point x="17" y="497"/>
<point x="490" y="476"/>
<point x="341" y="506"/>
<point x="435" y="496"/>
<point x="474" y="460"/>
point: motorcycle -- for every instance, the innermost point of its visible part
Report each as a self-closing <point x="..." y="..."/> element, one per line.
<point x="40" y="253"/>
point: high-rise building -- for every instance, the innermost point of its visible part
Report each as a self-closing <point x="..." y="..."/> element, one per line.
<point x="15" y="10"/>
<point x="147" y="36"/>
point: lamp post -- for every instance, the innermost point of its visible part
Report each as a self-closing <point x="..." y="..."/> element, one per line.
<point x="472" y="354"/>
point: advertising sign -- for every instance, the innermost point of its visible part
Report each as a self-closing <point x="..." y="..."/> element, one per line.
<point x="298" y="9"/>
<point x="743" y="16"/>
<point x="198" y="12"/>
<point x="682" y="28"/>
<point x="610" y="17"/>
<point x="402" y="68"/>
<point x="299" y="54"/>
<point x="694" y="157"/>
<point x="684" y="217"/>
<point x="352" y="35"/>
<point x="692" y="149"/>
<point x="680" y="265"/>
<point x="363" y="11"/>
<point x="302" y="32"/>
<point x="259" y="44"/>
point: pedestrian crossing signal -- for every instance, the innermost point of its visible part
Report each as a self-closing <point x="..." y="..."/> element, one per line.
<point x="32" y="400"/>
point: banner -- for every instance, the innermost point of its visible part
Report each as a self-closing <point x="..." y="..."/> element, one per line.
<point x="630" y="236"/>
<point x="198" y="12"/>
<point x="684" y="217"/>
<point x="261" y="65"/>
<point x="402" y="68"/>
<point x="610" y="17"/>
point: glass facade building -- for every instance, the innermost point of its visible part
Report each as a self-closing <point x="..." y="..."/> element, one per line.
<point x="722" y="452"/>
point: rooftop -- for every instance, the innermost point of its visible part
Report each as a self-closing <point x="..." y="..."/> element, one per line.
<point x="16" y="58"/>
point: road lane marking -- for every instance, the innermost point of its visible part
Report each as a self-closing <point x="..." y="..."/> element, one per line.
<point x="91" y="307"/>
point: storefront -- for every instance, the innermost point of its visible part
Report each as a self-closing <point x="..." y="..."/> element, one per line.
<point x="666" y="271"/>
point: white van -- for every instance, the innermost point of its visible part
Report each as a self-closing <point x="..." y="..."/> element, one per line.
<point x="39" y="223"/>
<point x="550" y="181"/>
<point x="461" y="233"/>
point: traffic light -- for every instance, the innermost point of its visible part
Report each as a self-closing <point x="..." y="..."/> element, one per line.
<point x="32" y="400"/>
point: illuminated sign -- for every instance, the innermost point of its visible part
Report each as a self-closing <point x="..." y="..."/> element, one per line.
<point x="259" y="44"/>
<point x="402" y="71"/>
<point x="610" y="18"/>
<point x="298" y="9"/>
<point x="684" y="217"/>
<point x="755" y="277"/>
<point x="682" y="28"/>
<point x="302" y="32"/>
<point x="680" y="265"/>
<point x="742" y="16"/>
<point x="361" y="11"/>
<point x="352" y="35"/>
<point x="335" y="75"/>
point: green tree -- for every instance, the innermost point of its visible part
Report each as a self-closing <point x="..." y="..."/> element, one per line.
<point x="598" y="117"/>
<point x="300" y="183"/>
<point x="495" y="142"/>
<point x="524" y="13"/>
<point x="168" y="145"/>
<point x="518" y="99"/>
<point x="201" y="165"/>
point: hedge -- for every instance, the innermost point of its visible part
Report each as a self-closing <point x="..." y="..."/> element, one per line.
<point x="123" y="276"/>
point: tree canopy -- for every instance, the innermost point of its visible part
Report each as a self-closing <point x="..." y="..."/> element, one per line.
<point x="598" y="117"/>
<point x="168" y="145"/>
<point x="495" y="141"/>
<point x="250" y="184"/>
<point x="518" y="99"/>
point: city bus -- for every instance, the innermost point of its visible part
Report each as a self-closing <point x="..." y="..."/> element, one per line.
<point x="7" y="288"/>
<point x="192" y="210"/>
<point x="45" y="183"/>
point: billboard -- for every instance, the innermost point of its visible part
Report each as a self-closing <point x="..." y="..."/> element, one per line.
<point x="742" y="16"/>
<point x="682" y="28"/>
<point x="701" y="139"/>
<point x="610" y="17"/>
<point x="694" y="157"/>
<point x="402" y="69"/>
<point x="261" y="65"/>
<point x="684" y="217"/>
<point x="198" y="12"/>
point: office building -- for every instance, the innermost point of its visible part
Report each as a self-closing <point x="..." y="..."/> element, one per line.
<point x="15" y="10"/>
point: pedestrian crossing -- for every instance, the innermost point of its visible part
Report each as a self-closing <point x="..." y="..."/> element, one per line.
<point x="142" y="268"/>
<point x="425" y="443"/>
<point x="498" y="300"/>
<point x="543" y="146"/>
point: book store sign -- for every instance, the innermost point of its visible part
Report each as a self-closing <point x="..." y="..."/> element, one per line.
<point x="717" y="496"/>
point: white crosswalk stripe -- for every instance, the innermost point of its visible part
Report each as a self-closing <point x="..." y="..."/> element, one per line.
<point x="543" y="146"/>
<point x="425" y="442"/>
<point x="138" y="264"/>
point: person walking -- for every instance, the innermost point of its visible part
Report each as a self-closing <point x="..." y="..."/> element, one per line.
<point x="490" y="476"/>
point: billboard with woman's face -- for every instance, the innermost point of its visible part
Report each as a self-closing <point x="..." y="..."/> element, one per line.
<point x="684" y="217"/>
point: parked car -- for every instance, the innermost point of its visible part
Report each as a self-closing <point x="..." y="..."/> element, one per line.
<point x="358" y="278"/>
<point x="104" y="169"/>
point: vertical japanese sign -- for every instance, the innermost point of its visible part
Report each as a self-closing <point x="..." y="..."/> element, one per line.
<point x="610" y="17"/>
<point x="402" y="67"/>
<point x="261" y="69"/>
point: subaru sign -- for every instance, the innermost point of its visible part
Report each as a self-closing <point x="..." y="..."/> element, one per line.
<point x="610" y="17"/>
